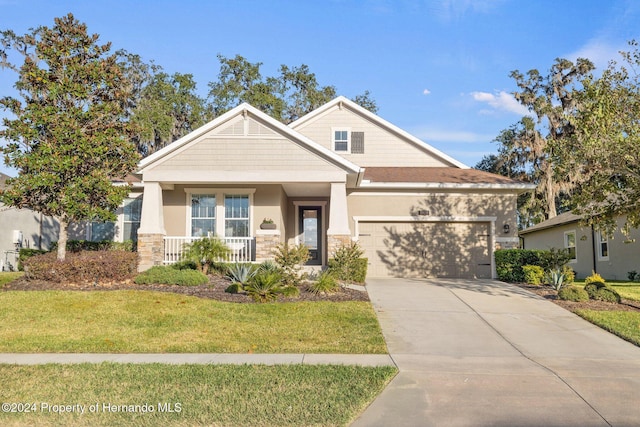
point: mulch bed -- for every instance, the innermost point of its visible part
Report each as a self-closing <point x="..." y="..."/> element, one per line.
<point x="551" y="295"/>
<point x="212" y="290"/>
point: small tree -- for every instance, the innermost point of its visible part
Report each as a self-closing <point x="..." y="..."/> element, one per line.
<point x="204" y="252"/>
<point x="70" y="135"/>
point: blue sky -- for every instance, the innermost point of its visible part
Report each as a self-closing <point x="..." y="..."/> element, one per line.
<point x="437" y="68"/>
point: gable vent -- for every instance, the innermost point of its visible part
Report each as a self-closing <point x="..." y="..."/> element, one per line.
<point x="357" y="142"/>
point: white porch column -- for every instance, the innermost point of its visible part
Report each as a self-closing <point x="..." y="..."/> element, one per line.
<point x="152" y="217"/>
<point x="338" y="233"/>
<point x="338" y="213"/>
<point x="151" y="232"/>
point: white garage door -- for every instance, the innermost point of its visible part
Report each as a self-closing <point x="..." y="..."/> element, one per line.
<point x="426" y="249"/>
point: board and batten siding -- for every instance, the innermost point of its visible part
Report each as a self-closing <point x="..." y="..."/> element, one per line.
<point x="381" y="147"/>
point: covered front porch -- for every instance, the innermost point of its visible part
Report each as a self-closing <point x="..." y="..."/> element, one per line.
<point x="251" y="218"/>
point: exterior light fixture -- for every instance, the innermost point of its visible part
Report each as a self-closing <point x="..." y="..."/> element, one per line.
<point x="506" y="228"/>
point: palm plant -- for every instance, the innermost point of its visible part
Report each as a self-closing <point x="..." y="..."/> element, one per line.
<point x="204" y="252"/>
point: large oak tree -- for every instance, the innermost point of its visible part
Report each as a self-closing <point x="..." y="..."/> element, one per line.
<point x="70" y="137"/>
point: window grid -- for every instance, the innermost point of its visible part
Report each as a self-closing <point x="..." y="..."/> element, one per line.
<point x="236" y="208"/>
<point x="203" y="215"/>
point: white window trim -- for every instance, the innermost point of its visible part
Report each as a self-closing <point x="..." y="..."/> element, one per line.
<point x="599" y="240"/>
<point x="333" y="139"/>
<point x="120" y="220"/>
<point x="575" y="247"/>
<point x="220" y="217"/>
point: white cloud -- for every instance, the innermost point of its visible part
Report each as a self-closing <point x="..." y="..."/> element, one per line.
<point x="502" y="101"/>
<point x="599" y="52"/>
<point x="426" y="91"/>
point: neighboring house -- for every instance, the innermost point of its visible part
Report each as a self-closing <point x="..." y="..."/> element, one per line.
<point x="610" y="256"/>
<point x="22" y="228"/>
<point x="336" y="175"/>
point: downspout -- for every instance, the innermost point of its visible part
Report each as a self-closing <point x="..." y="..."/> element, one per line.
<point x="594" y="248"/>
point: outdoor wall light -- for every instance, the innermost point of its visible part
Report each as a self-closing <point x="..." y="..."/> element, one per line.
<point x="506" y="228"/>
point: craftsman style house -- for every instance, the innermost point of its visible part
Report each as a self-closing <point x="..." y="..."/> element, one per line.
<point x="336" y="175"/>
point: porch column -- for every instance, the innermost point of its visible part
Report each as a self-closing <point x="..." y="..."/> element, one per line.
<point x="338" y="233"/>
<point x="151" y="232"/>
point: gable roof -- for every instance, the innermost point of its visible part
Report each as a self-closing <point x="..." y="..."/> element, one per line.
<point x="562" y="219"/>
<point x="246" y="109"/>
<point x="342" y="101"/>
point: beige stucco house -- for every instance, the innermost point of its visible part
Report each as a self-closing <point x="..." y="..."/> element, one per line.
<point x="336" y="175"/>
<point x="613" y="257"/>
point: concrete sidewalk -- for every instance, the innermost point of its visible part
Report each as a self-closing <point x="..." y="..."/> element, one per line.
<point x="199" y="358"/>
<point x="485" y="353"/>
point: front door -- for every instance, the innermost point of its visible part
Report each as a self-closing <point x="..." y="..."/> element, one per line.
<point x="310" y="227"/>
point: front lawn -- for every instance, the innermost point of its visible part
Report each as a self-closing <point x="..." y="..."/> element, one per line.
<point x="8" y="276"/>
<point x="625" y="324"/>
<point x="158" y="322"/>
<point x="188" y="395"/>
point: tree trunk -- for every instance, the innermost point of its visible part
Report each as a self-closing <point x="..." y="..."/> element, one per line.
<point x="550" y="194"/>
<point x="62" y="239"/>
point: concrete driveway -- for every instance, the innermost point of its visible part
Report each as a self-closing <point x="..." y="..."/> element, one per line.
<point x="486" y="353"/>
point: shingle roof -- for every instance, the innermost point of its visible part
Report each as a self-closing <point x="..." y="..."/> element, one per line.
<point x="447" y="175"/>
<point x="564" y="218"/>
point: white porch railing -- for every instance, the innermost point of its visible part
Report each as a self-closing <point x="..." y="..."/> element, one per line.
<point x="241" y="248"/>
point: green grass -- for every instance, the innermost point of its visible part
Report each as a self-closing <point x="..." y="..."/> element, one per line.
<point x="157" y="322"/>
<point x="8" y="276"/>
<point x="625" y="324"/>
<point x="212" y="395"/>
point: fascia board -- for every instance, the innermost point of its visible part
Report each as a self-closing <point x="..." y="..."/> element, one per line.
<point x="449" y="186"/>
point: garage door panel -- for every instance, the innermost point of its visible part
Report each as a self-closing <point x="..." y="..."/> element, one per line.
<point x="426" y="249"/>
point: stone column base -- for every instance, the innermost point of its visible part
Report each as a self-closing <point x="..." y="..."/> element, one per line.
<point x="150" y="250"/>
<point x="266" y="242"/>
<point x="335" y="241"/>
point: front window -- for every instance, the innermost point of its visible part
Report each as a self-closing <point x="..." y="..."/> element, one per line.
<point x="203" y="215"/>
<point x="132" y="210"/>
<point x="236" y="214"/>
<point x="570" y="244"/>
<point x="102" y="231"/>
<point x="341" y="140"/>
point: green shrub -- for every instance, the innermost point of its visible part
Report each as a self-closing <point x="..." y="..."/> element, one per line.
<point x="241" y="273"/>
<point x="269" y="266"/>
<point x="599" y="291"/>
<point x="509" y="263"/>
<point x="184" y="265"/>
<point x="165" y="275"/>
<point x="533" y="274"/>
<point x="554" y="259"/>
<point x="80" y="267"/>
<point x="569" y="274"/>
<point x="348" y="265"/>
<point x="325" y="284"/>
<point x="595" y="277"/>
<point x="607" y="294"/>
<point x="25" y="253"/>
<point x="290" y="291"/>
<point x="205" y="252"/>
<point x="234" y="288"/>
<point x="103" y="245"/>
<point x="265" y="286"/>
<point x="631" y="275"/>
<point x="592" y="288"/>
<point x="290" y="261"/>
<point x="573" y="293"/>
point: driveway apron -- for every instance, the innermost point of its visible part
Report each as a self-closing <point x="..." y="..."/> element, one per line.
<point x="486" y="353"/>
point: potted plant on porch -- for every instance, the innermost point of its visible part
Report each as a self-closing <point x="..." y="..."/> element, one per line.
<point x="267" y="224"/>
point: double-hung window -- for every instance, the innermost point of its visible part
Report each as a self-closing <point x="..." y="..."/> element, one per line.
<point x="203" y="215"/>
<point x="236" y="215"/>
<point x="131" y="218"/>
<point x="341" y="140"/>
<point x="603" y="246"/>
<point x="570" y="244"/>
